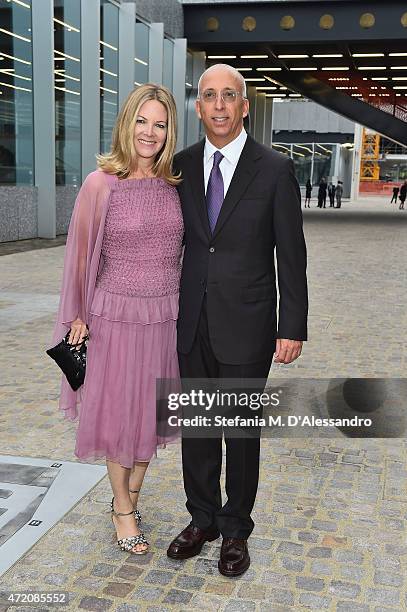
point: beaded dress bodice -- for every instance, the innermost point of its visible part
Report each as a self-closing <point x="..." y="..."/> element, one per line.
<point x="142" y="239"/>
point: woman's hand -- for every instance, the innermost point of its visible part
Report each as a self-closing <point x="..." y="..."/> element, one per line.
<point x="78" y="332"/>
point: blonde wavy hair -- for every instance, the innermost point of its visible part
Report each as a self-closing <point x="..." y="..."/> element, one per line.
<point x="122" y="156"/>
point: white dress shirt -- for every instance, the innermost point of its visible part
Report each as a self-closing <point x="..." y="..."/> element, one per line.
<point x="231" y="154"/>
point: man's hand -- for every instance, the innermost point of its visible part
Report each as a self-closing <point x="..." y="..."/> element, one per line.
<point x="287" y="351"/>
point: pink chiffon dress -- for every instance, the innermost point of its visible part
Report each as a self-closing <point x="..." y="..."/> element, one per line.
<point x="132" y="322"/>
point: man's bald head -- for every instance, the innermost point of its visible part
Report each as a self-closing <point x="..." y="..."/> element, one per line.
<point x="219" y="68"/>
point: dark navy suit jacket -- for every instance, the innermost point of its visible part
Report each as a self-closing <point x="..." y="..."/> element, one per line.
<point x="261" y="215"/>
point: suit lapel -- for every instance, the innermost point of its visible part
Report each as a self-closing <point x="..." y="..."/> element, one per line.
<point x="197" y="184"/>
<point x="245" y="172"/>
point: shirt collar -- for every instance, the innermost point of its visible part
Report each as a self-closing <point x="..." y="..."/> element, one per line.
<point x="231" y="151"/>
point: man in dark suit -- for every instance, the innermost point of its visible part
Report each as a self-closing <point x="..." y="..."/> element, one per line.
<point x="240" y="202"/>
<point x="338" y="193"/>
<point x="403" y="195"/>
<point x="396" y="190"/>
<point x="331" y="193"/>
<point x="322" y="193"/>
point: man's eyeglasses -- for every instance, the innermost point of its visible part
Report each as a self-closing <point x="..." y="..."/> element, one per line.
<point x="228" y="95"/>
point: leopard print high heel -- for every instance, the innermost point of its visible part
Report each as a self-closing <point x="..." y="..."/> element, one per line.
<point x="137" y="514"/>
<point x="127" y="544"/>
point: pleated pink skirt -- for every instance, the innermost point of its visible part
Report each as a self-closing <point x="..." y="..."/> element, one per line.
<point x="118" y="417"/>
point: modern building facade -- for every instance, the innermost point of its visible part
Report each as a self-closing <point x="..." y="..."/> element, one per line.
<point x="65" y="68"/>
<point x="320" y="142"/>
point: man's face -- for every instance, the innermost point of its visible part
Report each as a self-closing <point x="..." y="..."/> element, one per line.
<point x="222" y="118"/>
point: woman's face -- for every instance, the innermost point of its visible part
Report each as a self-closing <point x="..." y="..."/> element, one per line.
<point x="151" y="129"/>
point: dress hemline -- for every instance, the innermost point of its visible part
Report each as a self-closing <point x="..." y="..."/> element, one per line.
<point x="97" y="455"/>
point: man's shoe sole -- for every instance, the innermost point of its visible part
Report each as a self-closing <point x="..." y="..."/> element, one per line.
<point x="232" y="574"/>
<point x="188" y="555"/>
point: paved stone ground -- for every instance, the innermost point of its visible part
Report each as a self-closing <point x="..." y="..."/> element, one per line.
<point x="330" y="515"/>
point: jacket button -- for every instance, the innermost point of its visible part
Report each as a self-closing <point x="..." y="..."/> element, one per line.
<point x="212" y="250"/>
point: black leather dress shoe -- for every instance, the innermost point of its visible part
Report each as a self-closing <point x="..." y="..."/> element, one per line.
<point x="190" y="541"/>
<point x="234" y="557"/>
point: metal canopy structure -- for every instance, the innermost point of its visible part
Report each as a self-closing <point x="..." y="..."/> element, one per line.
<point x="350" y="57"/>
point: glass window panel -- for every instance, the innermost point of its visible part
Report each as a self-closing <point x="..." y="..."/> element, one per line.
<point x="109" y="70"/>
<point x="388" y="147"/>
<point x="67" y="82"/>
<point x="16" y="112"/>
<point x="188" y="93"/>
<point x="168" y="63"/>
<point x="302" y="157"/>
<point x="141" y="56"/>
<point x="323" y="161"/>
<point x="282" y="148"/>
<point x="189" y="69"/>
<point x="393" y="170"/>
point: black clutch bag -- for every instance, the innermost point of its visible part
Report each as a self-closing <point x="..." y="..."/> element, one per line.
<point x="71" y="358"/>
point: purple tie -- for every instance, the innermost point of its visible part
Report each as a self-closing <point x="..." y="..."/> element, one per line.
<point x="214" y="191"/>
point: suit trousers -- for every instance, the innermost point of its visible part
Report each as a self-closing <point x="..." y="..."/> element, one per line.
<point x="202" y="457"/>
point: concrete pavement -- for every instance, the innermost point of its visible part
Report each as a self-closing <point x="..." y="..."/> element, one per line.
<point x="330" y="514"/>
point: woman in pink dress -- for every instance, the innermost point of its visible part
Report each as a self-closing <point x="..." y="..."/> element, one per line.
<point x="121" y="280"/>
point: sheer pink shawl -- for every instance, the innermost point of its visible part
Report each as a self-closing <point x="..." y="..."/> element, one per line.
<point x="81" y="264"/>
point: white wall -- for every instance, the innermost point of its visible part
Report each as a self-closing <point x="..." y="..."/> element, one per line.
<point x="306" y="115"/>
